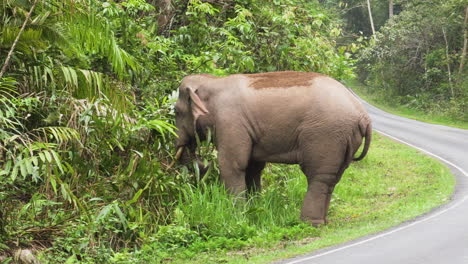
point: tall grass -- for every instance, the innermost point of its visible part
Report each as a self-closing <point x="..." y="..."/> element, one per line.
<point x="209" y="209"/>
<point x="209" y="206"/>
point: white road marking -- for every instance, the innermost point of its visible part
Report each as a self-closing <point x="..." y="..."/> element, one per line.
<point x="425" y="151"/>
<point x="400" y="228"/>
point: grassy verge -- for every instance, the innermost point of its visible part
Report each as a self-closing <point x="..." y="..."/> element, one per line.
<point x="401" y="110"/>
<point x="393" y="184"/>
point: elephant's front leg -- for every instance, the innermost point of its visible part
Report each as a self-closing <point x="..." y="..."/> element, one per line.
<point x="233" y="157"/>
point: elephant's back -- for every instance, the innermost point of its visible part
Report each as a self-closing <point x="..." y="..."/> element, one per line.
<point x="291" y="97"/>
<point x="281" y="80"/>
<point x="333" y="95"/>
<point x="302" y="89"/>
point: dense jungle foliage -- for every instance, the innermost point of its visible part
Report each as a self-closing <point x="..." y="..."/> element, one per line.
<point x="87" y="90"/>
<point x="418" y="58"/>
<point x="86" y="119"/>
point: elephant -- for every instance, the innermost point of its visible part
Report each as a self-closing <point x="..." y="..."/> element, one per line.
<point x="288" y="117"/>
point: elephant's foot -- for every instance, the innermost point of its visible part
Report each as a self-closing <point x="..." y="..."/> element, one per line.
<point x="237" y="190"/>
<point x="314" y="222"/>
<point x="315" y="213"/>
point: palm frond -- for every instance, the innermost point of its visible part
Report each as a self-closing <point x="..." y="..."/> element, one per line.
<point x="94" y="36"/>
<point x="61" y="135"/>
<point x="162" y="127"/>
<point x="70" y="77"/>
<point x="83" y="83"/>
<point x="7" y="87"/>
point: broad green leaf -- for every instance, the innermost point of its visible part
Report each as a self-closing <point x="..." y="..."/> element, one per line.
<point x="29" y="166"/>
<point x="53" y="183"/>
<point x="57" y="160"/>
<point x="14" y="173"/>
<point x="42" y="157"/>
<point x="23" y="169"/>
<point x="48" y="156"/>
<point x="135" y="197"/>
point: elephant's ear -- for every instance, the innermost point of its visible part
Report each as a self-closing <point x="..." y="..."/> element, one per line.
<point x="198" y="107"/>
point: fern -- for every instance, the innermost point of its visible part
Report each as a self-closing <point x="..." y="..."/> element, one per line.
<point x="61" y="135"/>
<point x="7" y="88"/>
<point x="93" y="36"/>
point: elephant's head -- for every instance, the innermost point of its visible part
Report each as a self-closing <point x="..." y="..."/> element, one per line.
<point x="192" y="120"/>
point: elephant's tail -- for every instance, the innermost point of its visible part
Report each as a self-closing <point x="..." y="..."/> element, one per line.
<point x="365" y="127"/>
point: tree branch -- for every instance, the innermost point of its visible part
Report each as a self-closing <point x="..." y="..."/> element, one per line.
<point x="10" y="53"/>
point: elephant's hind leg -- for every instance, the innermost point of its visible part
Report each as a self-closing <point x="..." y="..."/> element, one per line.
<point x="323" y="161"/>
<point x="253" y="176"/>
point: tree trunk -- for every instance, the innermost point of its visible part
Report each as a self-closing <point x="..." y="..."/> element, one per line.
<point x="165" y="9"/>
<point x="390" y="9"/>
<point x="448" y="62"/>
<point x="465" y="42"/>
<point x="370" y="18"/>
<point x="12" y="49"/>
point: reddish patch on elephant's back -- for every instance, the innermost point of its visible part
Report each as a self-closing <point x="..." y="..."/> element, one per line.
<point x="282" y="79"/>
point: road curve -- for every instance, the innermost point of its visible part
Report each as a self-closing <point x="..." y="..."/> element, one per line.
<point x="437" y="237"/>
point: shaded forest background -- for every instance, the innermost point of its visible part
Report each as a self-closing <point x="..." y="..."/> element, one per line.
<point x="87" y="88"/>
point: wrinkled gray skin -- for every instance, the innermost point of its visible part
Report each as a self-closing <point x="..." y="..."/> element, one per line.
<point x="282" y="117"/>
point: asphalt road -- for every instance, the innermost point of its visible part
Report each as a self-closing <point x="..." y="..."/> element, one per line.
<point x="440" y="236"/>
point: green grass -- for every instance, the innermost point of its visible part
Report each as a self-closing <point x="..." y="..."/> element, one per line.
<point x="394" y="183"/>
<point x="381" y="102"/>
